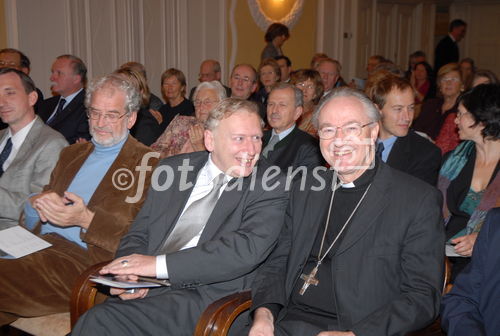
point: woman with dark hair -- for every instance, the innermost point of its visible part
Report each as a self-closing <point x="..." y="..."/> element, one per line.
<point x="276" y="35"/>
<point x="423" y="82"/>
<point x="310" y="83"/>
<point x="173" y="89"/>
<point x="469" y="177"/>
<point x="438" y="115"/>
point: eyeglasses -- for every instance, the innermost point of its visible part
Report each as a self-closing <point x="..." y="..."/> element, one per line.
<point x="450" y="79"/>
<point x="304" y="86"/>
<point x="206" y="102"/>
<point x="8" y="64"/>
<point x="244" y="79"/>
<point x="108" y="117"/>
<point x="354" y="129"/>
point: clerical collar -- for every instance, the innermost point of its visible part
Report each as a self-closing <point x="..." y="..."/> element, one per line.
<point x="365" y="178"/>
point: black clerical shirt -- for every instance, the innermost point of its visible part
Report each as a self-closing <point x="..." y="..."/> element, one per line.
<point x="317" y="305"/>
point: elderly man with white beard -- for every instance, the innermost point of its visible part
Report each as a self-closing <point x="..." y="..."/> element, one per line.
<point x="82" y="212"/>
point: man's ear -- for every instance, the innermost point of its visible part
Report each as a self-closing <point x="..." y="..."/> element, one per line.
<point x="131" y="120"/>
<point x="208" y="137"/>
<point x="298" y="112"/>
<point x="32" y="98"/>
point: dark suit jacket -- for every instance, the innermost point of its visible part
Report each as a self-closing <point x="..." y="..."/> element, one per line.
<point x="297" y="149"/>
<point x="387" y="271"/>
<point x="72" y="122"/>
<point x="417" y="156"/>
<point x="239" y="235"/>
<point x="472" y="306"/>
<point x="446" y="52"/>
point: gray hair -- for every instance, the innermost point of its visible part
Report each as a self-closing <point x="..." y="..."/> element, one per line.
<point x="226" y="108"/>
<point x="298" y="95"/>
<point x="370" y="109"/>
<point x="113" y="81"/>
<point x="213" y="85"/>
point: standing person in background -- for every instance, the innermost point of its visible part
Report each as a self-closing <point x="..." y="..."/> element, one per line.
<point x="447" y="49"/>
<point x="269" y="75"/>
<point x="276" y="35"/>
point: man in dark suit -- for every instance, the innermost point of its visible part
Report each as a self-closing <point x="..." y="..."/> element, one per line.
<point x="361" y="251"/>
<point x="65" y="112"/>
<point x="447" y="49"/>
<point x="399" y="146"/>
<point x="209" y="71"/>
<point x="226" y="245"/>
<point x="285" y="145"/>
<point x="472" y="306"/>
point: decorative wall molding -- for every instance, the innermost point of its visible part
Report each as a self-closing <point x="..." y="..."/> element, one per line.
<point x="263" y="21"/>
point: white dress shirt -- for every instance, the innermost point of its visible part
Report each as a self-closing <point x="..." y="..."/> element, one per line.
<point x="204" y="184"/>
<point x="17" y="141"/>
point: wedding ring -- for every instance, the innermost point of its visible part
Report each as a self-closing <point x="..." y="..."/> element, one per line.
<point x="124" y="263"/>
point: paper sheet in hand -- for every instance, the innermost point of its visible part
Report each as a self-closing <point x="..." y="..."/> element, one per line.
<point x="19" y="242"/>
<point x="450" y="251"/>
<point x="113" y="282"/>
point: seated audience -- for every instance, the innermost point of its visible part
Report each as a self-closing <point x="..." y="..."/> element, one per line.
<point x="423" y="83"/>
<point x="65" y="112"/>
<point x="472" y="306"/>
<point x="185" y="134"/>
<point x="361" y="255"/>
<point x="483" y="76"/>
<point x="29" y="149"/>
<point x="415" y="58"/>
<point x="398" y="145"/>
<point x="285" y="145"/>
<point x="329" y="70"/>
<point x="208" y="233"/>
<point x="467" y="70"/>
<point x="469" y="178"/>
<point x="310" y="83"/>
<point x="372" y="63"/>
<point x="147" y="127"/>
<point x="269" y="75"/>
<point x="13" y="58"/>
<point x="173" y="88"/>
<point x="209" y="71"/>
<point x="285" y="68"/>
<point x="437" y="118"/>
<point x="315" y="60"/>
<point x="243" y="81"/>
<point x="82" y="212"/>
<point x="154" y="101"/>
<point x="276" y="35"/>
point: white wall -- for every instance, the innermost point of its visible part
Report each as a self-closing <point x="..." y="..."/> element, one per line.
<point x="106" y="33"/>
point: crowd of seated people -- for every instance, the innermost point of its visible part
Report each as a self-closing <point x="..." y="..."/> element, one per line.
<point x="420" y="130"/>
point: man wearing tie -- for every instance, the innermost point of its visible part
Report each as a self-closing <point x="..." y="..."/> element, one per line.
<point x="65" y="112"/>
<point x="28" y="148"/>
<point x="285" y="145"/>
<point x="207" y="230"/>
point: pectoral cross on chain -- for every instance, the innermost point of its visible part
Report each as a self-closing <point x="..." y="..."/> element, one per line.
<point x="309" y="279"/>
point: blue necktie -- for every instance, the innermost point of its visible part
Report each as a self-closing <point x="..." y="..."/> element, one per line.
<point x="5" y="154"/>
<point x="60" y="106"/>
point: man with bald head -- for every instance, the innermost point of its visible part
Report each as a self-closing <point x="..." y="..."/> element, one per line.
<point x="210" y="71"/>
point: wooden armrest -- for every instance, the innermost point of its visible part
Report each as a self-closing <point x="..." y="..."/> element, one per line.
<point x="220" y="315"/>
<point x="84" y="292"/>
